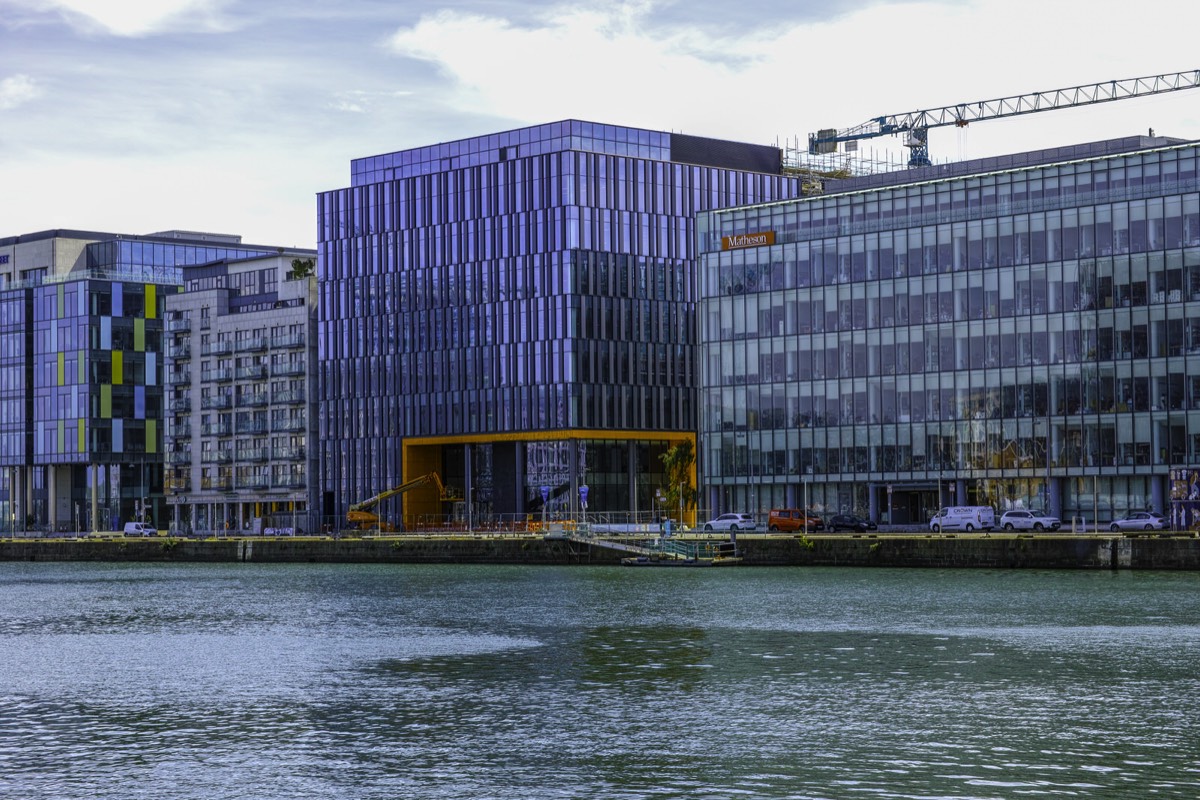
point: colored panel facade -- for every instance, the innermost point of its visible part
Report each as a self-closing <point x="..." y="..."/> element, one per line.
<point x="81" y="324"/>
<point x="521" y="287"/>
<point x="1014" y="337"/>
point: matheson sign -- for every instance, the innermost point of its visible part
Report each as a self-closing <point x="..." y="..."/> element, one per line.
<point x="747" y="240"/>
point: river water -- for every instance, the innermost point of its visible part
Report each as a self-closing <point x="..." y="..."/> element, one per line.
<point x="382" y="681"/>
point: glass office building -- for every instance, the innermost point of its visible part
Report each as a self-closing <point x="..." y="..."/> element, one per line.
<point x="81" y="372"/>
<point x="1014" y="332"/>
<point x="516" y="312"/>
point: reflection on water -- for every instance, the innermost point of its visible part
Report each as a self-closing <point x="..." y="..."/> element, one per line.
<point x="283" y="681"/>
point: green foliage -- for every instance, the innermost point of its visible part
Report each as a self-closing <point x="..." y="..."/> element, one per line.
<point x="302" y="268"/>
<point x="678" y="463"/>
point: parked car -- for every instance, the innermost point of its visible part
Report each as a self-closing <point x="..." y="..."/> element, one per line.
<point x="731" y="522"/>
<point x="1139" y="521"/>
<point x="139" y="529"/>
<point x="793" y="519"/>
<point x="849" y="522"/>
<point x="963" y="518"/>
<point x="1028" y="520"/>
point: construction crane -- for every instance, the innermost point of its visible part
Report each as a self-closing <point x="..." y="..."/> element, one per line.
<point x="916" y="124"/>
<point x="363" y="515"/>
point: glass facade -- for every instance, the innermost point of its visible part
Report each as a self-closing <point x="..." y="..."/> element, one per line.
<point x="1006" y="337"/>
<point x="81" y="376"/>
<point x="532" y="285"/>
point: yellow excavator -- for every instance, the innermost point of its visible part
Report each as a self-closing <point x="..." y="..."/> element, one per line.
<point x="362" y="514"/>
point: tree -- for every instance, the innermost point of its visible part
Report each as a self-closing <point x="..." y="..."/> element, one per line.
<point x="678" y="464"/>
<point x="302" y="268"/>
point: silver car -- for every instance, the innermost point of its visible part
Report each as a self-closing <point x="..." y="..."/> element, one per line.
<point x="731" y="522"/>
<point x="1139" y="521"/>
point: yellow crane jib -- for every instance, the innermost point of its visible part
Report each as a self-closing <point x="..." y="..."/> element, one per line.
<point x="363" y="515"/>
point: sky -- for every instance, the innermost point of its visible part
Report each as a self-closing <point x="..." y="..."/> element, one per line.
<point x="229" y="116"/>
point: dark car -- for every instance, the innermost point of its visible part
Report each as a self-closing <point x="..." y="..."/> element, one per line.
<point x="849" y="522"/>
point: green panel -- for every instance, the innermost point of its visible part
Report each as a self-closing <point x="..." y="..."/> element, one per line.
<point x="62" y="369"/>
<point x="139" y="335"/>
<point x="62" y="436"/>
<point x="151" y="301"/>
<point x="82" y="440"/>
<point x="82" y="371"/>
<point x="118" y="367"/>
<point x="151" y="435"/>
<point x="106" y="401"/>
<point x="62" y="301"/>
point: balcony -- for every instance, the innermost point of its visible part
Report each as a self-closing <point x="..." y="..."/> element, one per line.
<point x="179" y="325"/>
<point x="216" y="429"/>
<point x="218" y="402"/>
<point x="253" y="454"/>
<point x="252" y="399"/>
<point x="252" y="427"/>
<point x="288" y="368"/>
<point x="216" y="375"/>
<point x="256" y="344"/>
<point x="178" y="485"/>
<point x="288" y="425"/>
<point x="217" y="484"/>
<point x="217" y="349"/>
<point x="217" y="457"/>
<point x="289" y="482"/>
<point x="253" y="482"/>
<point x="180" y="351"/>
<point x="179" y="457"/>
<point x="178" y="378"/>
<point x="181" y="405"/>
<point x="256" y="372"/>
<point x="290" y="397"/>
<point x="294" y="340"/>
<point x="288" y="454"/>
<point x="179" y="431"/>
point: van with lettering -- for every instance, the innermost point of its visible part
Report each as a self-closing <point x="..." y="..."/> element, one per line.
<point x="963" y="518"/>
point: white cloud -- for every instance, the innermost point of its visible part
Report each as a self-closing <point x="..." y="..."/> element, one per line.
<point x="785" y="81"/>
<point x="17" y="89"/>
<point x="135" y="18"/>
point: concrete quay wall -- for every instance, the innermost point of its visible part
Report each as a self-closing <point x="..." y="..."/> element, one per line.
<point x="1163" y="552"/>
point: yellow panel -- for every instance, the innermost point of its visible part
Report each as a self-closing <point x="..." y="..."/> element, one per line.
<point x="139" y="335"/>
<point x="62" y="369"/>
<point x="151" y="301"/>
<point x="151" y="436"/>
<point x="82" y="443"/>
<point x="118" y="367"/>
<point x="419" y="461"/>
<point x="106" y="401"/>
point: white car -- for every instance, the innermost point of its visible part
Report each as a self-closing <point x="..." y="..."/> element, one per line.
<point x="1028" y="520"/>
<point x="731" y="522"/>
<point x="1139" y="521"/>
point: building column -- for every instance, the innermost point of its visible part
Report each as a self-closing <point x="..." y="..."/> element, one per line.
<point x="573" y="471"/>
<point x="95" y="470"/>
<point x="632" y="470"/>
<point x="873" y="501"/>
<point x="469" y="484"/>
<point x="960" y="492"/>
<point x="1054" y="492"/>
<point x="1156" y="493"/>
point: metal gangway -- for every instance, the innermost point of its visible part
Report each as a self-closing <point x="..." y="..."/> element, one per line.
<point x="657" y="547"/>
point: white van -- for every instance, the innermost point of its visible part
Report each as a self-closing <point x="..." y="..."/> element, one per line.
<point x="964" y="518"/>
<point x="140" y="529"/>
